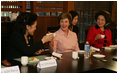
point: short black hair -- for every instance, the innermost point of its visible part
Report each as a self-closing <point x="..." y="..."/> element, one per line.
<point x="73" y="13"/>
<point x="24" y="18"/>
<point x="106" y="15"/>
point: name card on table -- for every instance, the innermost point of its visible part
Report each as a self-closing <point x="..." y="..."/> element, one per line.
<point x="47" y="63"/>
<point x="56" y="54"/>
<point x="13" y="69"/>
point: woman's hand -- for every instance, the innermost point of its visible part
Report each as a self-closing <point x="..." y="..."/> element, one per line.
<point x="39" y="52"/>
<point x="98" y="36"/>
<point x="6" y="63"/>
<point x="47" y="38"/>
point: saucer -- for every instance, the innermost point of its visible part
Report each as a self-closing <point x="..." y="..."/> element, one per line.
<point x="49" y="58"/>
<point x="99" y="56"/>
<point x="113" y="46"/>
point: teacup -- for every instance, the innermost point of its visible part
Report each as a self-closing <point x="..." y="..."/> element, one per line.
<point x="54" y="34"/>
<point x="102" y="36"/>
<point x="75" y="55"/>
<point x="24" y="60"/>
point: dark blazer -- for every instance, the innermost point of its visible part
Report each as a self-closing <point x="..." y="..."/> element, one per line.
<point x="17" y="46"/>
<point x="76" y="30"/>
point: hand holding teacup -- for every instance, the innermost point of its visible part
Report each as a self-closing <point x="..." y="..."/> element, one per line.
<point x="54" y="34"/>
<point x="48" y="37"/>
<point x="99" y="36"/>
<point x="102" y="36"/>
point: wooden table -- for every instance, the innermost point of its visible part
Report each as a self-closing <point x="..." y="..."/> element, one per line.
<point x="68" y="65"/>
<point x="81" y="65"/>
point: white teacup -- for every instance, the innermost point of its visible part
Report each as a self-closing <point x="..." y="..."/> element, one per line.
<point x="54" y="34"/>
<point x="24" y="60"/>
<point x="102" y="36"/>
<point x="75" y="55"/>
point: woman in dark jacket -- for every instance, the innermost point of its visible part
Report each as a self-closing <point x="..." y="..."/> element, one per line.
<point x="21" y="41"/>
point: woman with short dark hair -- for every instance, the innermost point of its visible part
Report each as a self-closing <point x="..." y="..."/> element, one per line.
<point x="99" y="35"/>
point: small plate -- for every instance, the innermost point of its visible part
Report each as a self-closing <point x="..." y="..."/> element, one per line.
<point x="113" y="46"/>
<point x="36" y="60"/>
<point x="107" y="48"/>
<point x="81" y="51"/>
<point x="49" y="58"/>
<point x="99" y="55"/>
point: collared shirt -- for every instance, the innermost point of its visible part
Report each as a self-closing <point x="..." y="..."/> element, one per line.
<point x="93" y="31"/>
<point x="65" y="43"/>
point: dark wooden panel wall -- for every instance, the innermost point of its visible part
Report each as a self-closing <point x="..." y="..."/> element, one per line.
<point x="43" y="24"/>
